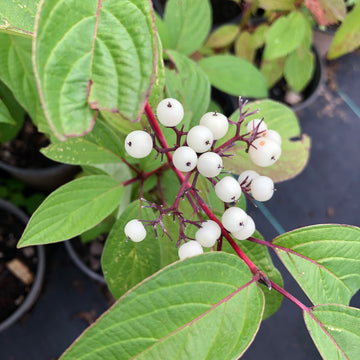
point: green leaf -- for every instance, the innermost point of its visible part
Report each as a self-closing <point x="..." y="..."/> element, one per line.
<point x="285" y="35"/>
<point x="335" y="330"/>
<point x="162" y="32"/>
<point x="188" y="24"/>
<point x="99" y="147"/>
<point x="244" y="46"/>
<point x="205" y="307"/>
<point x="17" y="74"/>
<point x="295" y="153"/>
<point x="324" y="260"/>
<point x="190" y="85"/>
<point x="99" y="56"/>
<point x="5" y="116"/>
<point x="258" y="36"/>
<point x="18" y="17"/>
<point x="126" y="263"/>
<point x="273" y="70"/>
<point x="223" y="36"/>
<point x="259" y="255"/>
<point x="299" y="68"/>
<point x="347" y="37"/>
<point x="327" y="12"/>
<point x="72" y="209"/>
<point x="276" y="4"/>
<point x="234" y="75"/>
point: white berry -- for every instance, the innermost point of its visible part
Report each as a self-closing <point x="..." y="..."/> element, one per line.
<point x="135" y="230"/>
<point x="209" y="164"/>
<point x="246" y="231"/>
<point x="264" y="152"/>
<point x="184" y="158"/>
<point x="234" y="219"/>
<point x="262" y="188"/>
<point x="216" y="122"/>
<point x="138" y="144"/>
<point x="200" y="138"/>
<point x="253" y="124"/>
<point x="228" y="189"/>
<point x="189" y="249"/>
<point x="272" y="135"/>
<point x="246" y="177"/>
<point x="208" y="233"/>
<point x="170" y="112"/>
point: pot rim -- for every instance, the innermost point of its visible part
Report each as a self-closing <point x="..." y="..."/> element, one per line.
<point x="81" y="265"/>
<point x="40" y="271"/>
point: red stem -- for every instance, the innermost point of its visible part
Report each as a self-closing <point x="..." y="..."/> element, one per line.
<point x="160" y="137"/>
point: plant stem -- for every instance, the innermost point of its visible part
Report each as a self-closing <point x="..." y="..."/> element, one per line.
<point x="160" y="137"/>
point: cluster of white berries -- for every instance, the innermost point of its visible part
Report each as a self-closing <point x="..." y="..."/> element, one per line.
<point x="264" y="150"/>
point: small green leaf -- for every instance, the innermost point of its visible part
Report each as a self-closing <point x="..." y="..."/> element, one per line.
<point x="324" y="260"/>
<point x="17" y="74"/>
<point x="276" y="4"/>
<point x="244" y="46"/>
<point x="100" y="57"/>
<point x="335" y="330"/>
<point x="126" y="263"/>
<point x="99" y="147"/>
<point x="273" y="70"/>
<point x="234" y="75"/>
<point x="5" y="116"/>
<point x="285" y="35"/>
<point x="188" y="24"/>
<point x="258" y="36"/>
<point x="223" y="36"/>
<point x="347" y="37"/>
<point x="18" y="17"/>
<point x="206" y="307"/>
<point x="299" y="68"/>
<point x="72" y="209"/>
<point x="189" y="84"/>
<point x="295" y="153"/>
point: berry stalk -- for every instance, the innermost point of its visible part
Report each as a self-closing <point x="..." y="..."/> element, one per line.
<point x="160" y="137"/>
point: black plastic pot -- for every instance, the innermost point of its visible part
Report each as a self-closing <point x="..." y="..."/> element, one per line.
<point x="81" y="265"/>
<point x="45" y="179"/>
<point x="40" y="271"/>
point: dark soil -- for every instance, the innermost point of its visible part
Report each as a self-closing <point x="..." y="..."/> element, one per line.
<point x="17" y="267"/>
<point x="90" y="252"/>
<point x="23" y="151"/>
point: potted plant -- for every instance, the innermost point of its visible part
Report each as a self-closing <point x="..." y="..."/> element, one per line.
<point x="214" y="302"/>
<point x="22" y="272"/>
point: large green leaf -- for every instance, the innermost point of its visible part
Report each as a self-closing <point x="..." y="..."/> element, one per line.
<point x="234" y="76"/>
<point x="295" y="152"/>
<point x="99" y="147"/>
<point x="285" y="35"/>
<point x="335" y="330"/>
<point x="299" y="68"/>
<point x="126" y="263"/>
<point x="259" y="255"/>
<point x="206" y="307"/>
<point x="347" y="37"/>
<point x="17" y="73"/>
<point x="72" y="209"/>
<point x="97" y="55"/>
<point x="5" y="116"/>
<point x="188" y="24"/>
<point x="18" y="17"/>
<point x="190" y="85"/>
<point x="324" y="260"/>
